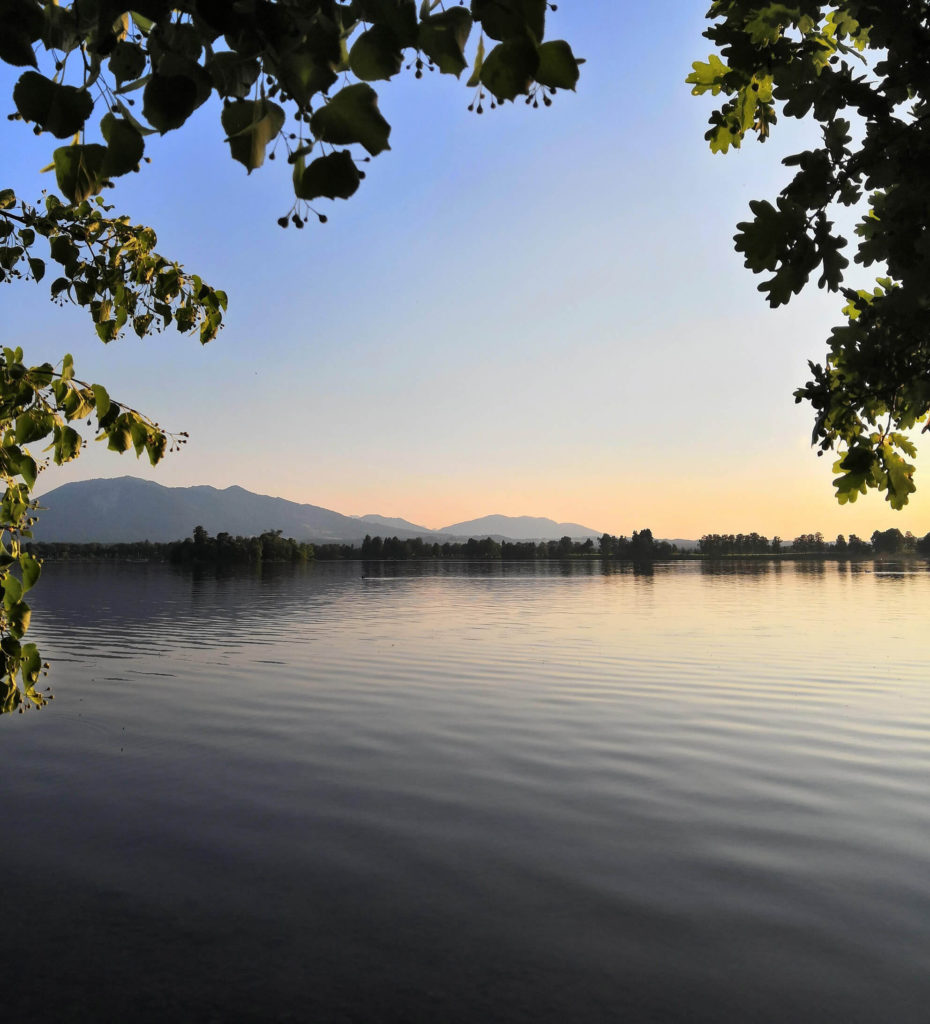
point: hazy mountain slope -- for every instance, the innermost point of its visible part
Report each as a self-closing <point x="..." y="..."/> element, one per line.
<point x="130" y="509"/>
<point x="520" y="528"/>
<point x="389" y="523"/>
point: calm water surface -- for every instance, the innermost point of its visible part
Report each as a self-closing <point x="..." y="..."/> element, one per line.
<point x="457" y="793"/>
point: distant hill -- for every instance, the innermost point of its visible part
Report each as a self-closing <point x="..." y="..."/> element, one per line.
<point x="395" y="524"/>
<point x="129" y="509"/>
<point x="520" y="528"/>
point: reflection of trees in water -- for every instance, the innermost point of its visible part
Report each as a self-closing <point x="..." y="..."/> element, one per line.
<point x="810" y="567"/>
<point x="740" y="566"/>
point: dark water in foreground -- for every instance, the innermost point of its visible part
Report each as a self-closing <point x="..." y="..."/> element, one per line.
<point x="459" y="793"/>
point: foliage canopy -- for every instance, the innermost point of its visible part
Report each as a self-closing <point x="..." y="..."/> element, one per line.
<point x="290" y="75"/>
<point x="861" y="71"/>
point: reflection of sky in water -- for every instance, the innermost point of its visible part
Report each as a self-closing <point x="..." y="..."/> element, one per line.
<point x="477" y="792"/>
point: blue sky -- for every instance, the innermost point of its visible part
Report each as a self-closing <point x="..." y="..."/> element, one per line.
<point x="528" y="312"/>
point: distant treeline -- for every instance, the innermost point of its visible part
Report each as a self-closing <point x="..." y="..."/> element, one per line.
<point x="224" y="549"/>
<point x="882" y="542"/>
<point x="200" y="549"/>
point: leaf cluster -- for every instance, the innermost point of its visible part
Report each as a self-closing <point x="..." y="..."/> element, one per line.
<point x="44" y="405"/>
<point x="290" y="72"/>
<point x="105" y="264"/>
<point x="861" y="70"/>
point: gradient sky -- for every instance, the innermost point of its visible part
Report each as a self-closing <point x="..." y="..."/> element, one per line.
<point x="531" y="312"/>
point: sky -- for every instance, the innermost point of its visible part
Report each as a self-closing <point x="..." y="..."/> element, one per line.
<point x="528" y="312"/>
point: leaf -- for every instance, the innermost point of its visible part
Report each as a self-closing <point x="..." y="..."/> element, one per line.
<point x="475" y="78"/>
<point x="22" y="25"/>
<point x="124" y="146"/>
<point x="233" y="75"/>
<point x="127" y="62"/>
<point x="31" y="570"/>
<point x="509" y="69"/>
<point x="442" y="38"/>
<point x="376" y="54"/>
<point x="250" y="125"/>
<point x="169" y="100"/>
<point x="79" y="170"/>
<point x="67" y="444"/>
<point x="334" y="176"/>
<point x="303" y="76"/>
<point x="557" y="65"/>
<point x="509" y="19"/>
<point x="177" y="65"/>
<point x="400" y="16"/>
<point x="18" y="617"/>
<point x="707" y="77"/>
<point x="59" y="109"/>
<point x="352" y="115"/>
<point x="101" y="400"/>
<point x="27" y="469"/>
<point x="33" y="425"/>
<point x="120" y="438"/>
<point x="30" y="668"/>
<point x="16" y="49"/>
<point x="12" y="592"/>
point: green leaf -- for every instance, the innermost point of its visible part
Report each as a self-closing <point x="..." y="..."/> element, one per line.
<point x="509" y="69"/>
<point x="33" y="425"/>
<point x="250" y="125"/>
<point x="30" y="667"/>
<point x="16" y="49"/>
<point x="31" y="570"/>
<point x="59" y="109"/>
<point x="334" y="176"/>
<point x="511" y="19"/>
<point x="139" y="435"/>
<point x="124" y="146"/>
<point x="475" y="78"/>
<point x="12" y="592"/>
<point x="558" y="67"/>
<point x="18" y="617"/>
<point x="37" y="267"/>
<point x="25" y="466"/>
<point x="22" y="26"/>
<point x="127" y="61"/>
<point x="101" y="400"/>
<point x="400" y="16"/>
<point x="376" y="54"/>
<point x="233" y="75"/>
<point x="178" y="65"/>
<point x="707" y="77"/>
<point x="169" y="100"/>
<point x="79" y="170"/>
<point x="352" y="115"/>
<point x="67" y="444"/>
<point x="303" y="75"/>
<point x="443" y="37"/>
<point x="60" y="31"/>
<point x="119" y="434"/>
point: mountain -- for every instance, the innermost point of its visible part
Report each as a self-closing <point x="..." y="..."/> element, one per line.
<point x="394" y="524"/>
<point x="520" y="528"/>
<point x="129" y="509"/>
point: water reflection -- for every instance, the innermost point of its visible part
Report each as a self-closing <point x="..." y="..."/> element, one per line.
<point x="474" y="792"/>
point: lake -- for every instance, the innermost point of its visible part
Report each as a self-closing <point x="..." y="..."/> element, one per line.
<point x="452" y="792"/>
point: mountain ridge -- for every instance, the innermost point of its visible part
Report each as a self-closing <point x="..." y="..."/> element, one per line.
<point x="126" y="509"/>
